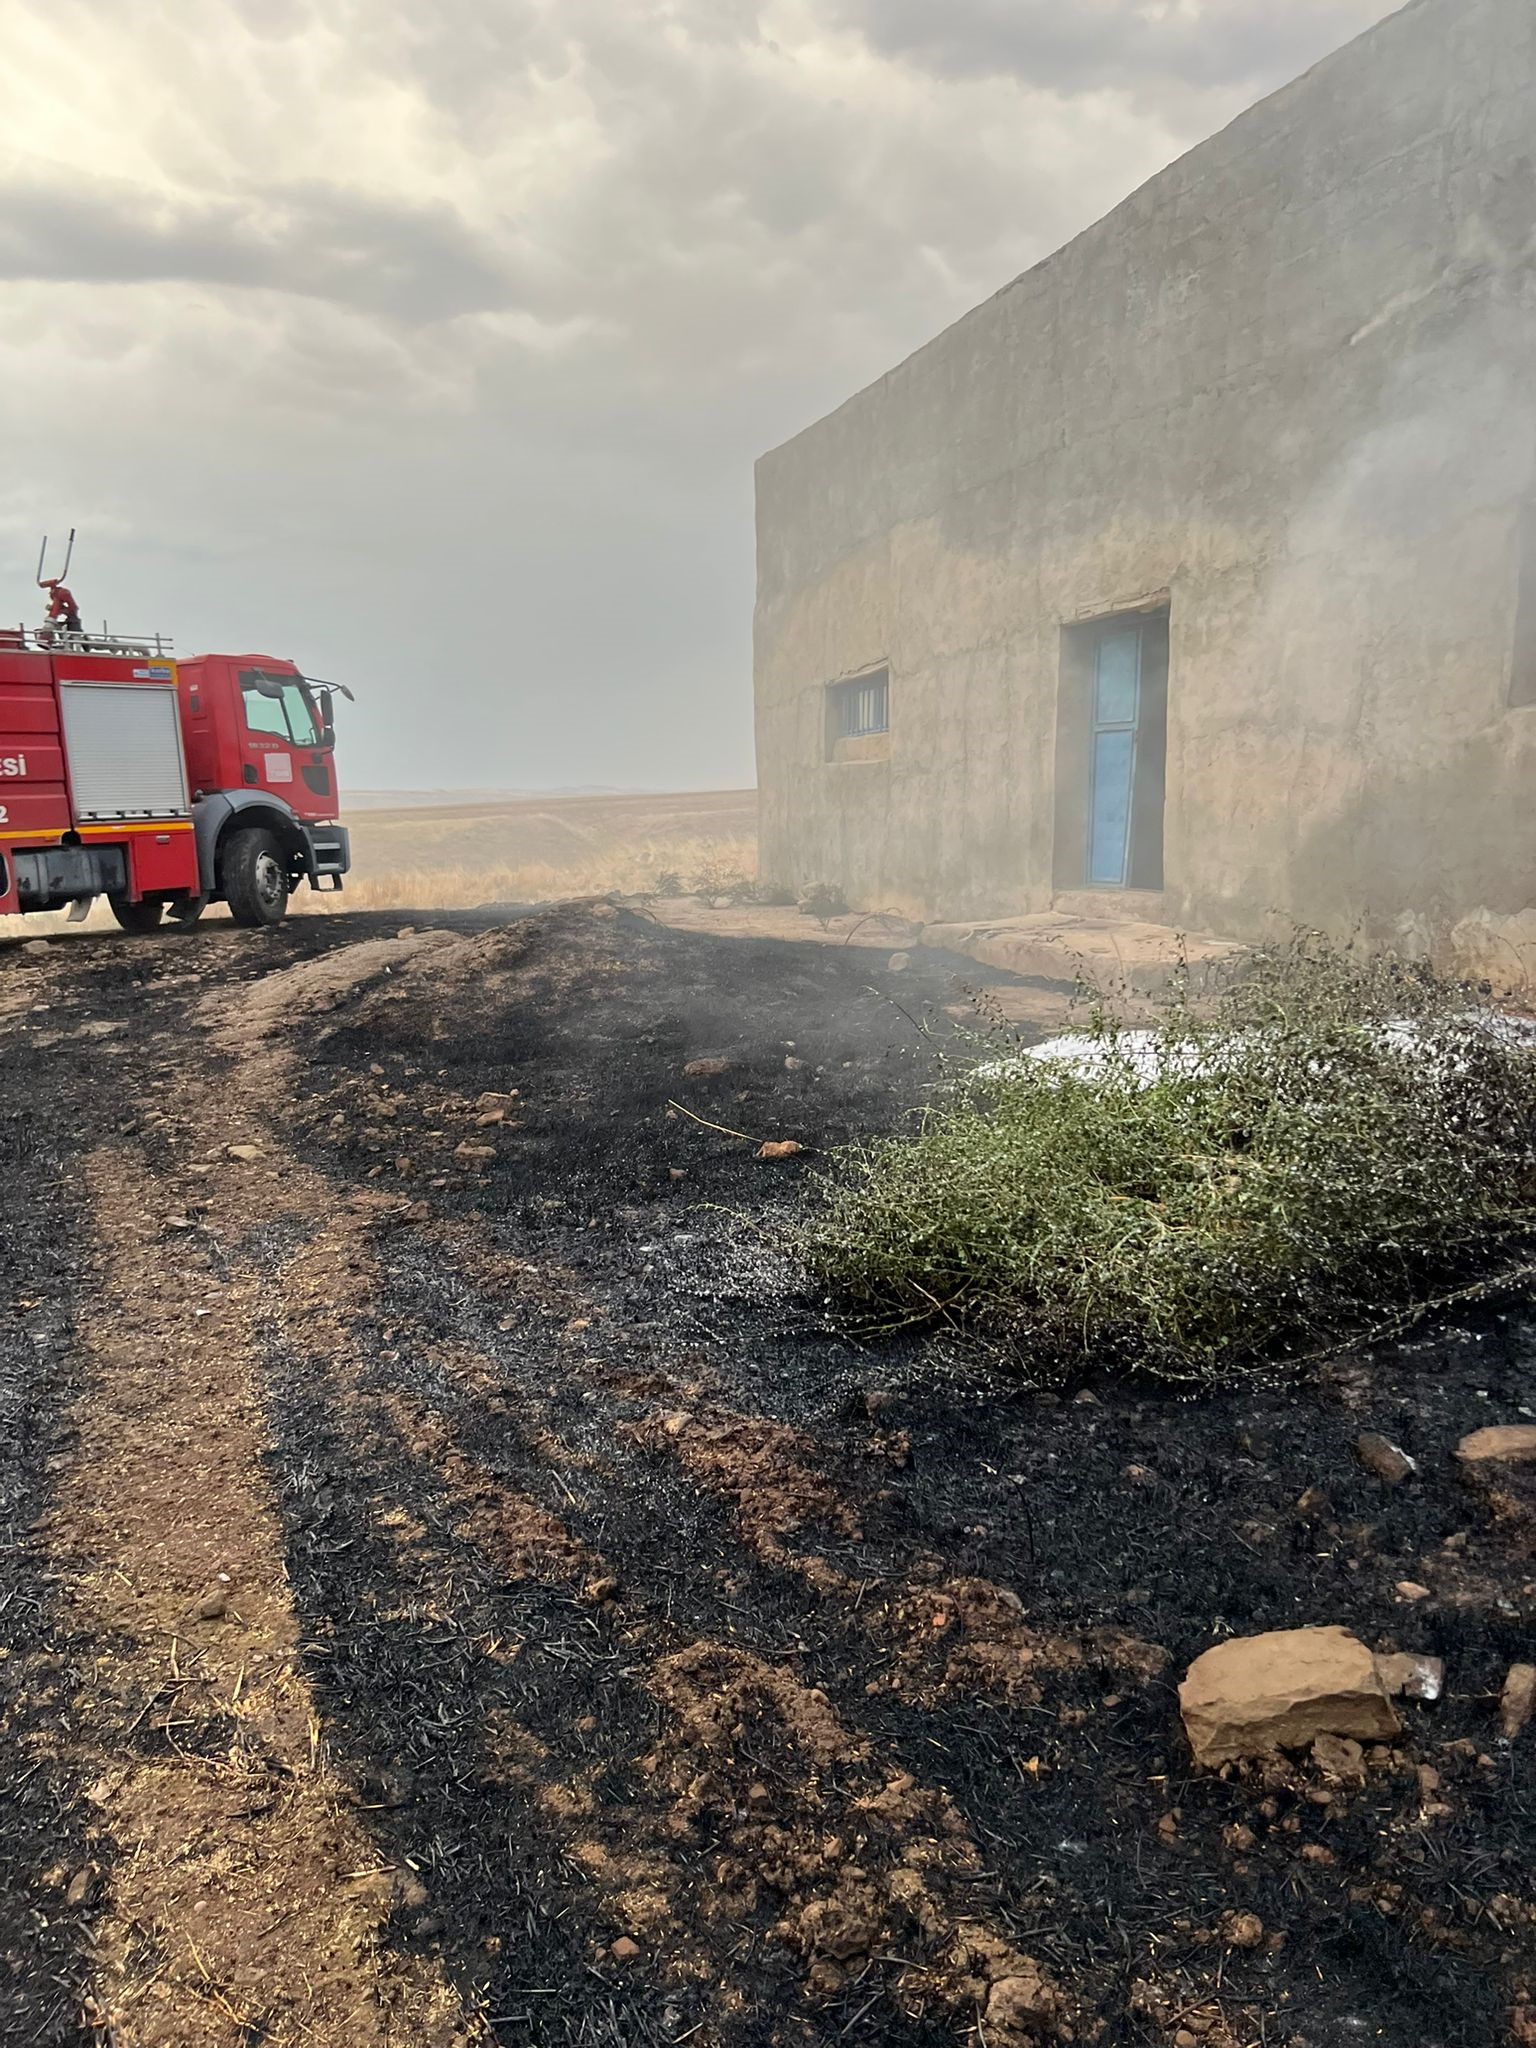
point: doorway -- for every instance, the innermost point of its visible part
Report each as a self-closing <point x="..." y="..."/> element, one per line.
<point x="1111" y="752"/>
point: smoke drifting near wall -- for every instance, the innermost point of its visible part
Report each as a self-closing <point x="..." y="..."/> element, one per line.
<point x="1389" y="615"/>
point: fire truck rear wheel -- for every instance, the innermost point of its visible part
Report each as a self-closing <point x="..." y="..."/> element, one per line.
<point x="143" y="916"/>
<point x="255" y="872"/>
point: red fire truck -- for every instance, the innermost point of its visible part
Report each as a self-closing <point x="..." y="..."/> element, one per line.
<point x="163" y="785"/>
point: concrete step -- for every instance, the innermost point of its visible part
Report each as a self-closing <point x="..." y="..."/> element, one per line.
<point x="1116" y="955"/>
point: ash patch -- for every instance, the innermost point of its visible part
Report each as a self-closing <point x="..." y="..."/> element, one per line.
<point x="50" y="1866"/>
<point x="525" y="1725"/>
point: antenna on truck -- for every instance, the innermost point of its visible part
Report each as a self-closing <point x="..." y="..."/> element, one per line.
<point x="63" y="612"/>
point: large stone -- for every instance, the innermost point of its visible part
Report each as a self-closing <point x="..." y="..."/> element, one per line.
<point x="1256" y="1694"/>
<point x="1508" y="1443"/>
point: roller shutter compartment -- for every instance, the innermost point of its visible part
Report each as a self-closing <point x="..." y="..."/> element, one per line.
<point x="123" y="742"/>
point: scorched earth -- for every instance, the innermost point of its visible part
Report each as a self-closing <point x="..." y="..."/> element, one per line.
<point x="460" y="1585"/>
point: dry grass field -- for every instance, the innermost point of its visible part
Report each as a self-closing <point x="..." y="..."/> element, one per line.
<point x="519" y="850"/>
<point x="526" y="850"/>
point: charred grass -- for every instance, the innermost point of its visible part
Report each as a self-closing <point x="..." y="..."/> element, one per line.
<point x="993" y="1593"/>
<point x="44" y="1846"/>
<point x="642" y="1605"/>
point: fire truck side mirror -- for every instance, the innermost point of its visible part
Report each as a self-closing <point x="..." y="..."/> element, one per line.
<point x="327" y="707"/>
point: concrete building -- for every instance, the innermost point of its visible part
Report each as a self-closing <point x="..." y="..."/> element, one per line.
<point x="1193" y="577"/>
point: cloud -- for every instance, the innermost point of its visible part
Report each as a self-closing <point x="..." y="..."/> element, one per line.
<point x="412" y="263"/>
<point x="1139" y="46"/>
<point x="436" y="343"/>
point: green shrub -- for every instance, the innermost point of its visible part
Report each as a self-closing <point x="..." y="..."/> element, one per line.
<point x="1288" y="1165"/>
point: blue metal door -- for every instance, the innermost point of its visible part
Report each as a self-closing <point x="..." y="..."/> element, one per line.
<point x="1116" y="710"/>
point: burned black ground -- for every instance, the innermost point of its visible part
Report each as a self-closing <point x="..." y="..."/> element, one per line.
<point x="541" y="1317"/>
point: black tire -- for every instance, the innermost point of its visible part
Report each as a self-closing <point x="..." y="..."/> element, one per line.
<point x="254" y="872"/>
<point x="143" y="916"/>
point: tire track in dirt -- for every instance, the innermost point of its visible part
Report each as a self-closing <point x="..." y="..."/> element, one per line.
<point x="242" y="1900"/>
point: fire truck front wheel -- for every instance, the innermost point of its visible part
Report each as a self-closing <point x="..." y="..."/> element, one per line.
<point x="143" y="916"/>
<point x="255" y="876"/>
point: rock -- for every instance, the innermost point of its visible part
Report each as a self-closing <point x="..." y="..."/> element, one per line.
<point x="782" y="1148"/>
<point x="705" y="1069"/>
<point x="487" y="1117"/>
<point x="1257" y="1694"/>
<point x="1508" y="1443"/>
<point x="213" y="1606"/>
<point x="624" y="1950"/>
<point x="1240" y="1930"/>
<point x="791" y="1064"/>
<point x="243" y="1152"/>
<point x="1339" y="1756"/>
<point x="1019" y="2006"/>
<point x="1517" y="1702"/>
<point x="899" y="963"/>
<point x="472" y="1154"/>
<point x="1383" y="1458"/>
<point x="842" y="1927"/>
<point x="34" y="947"/>
<point x="1414" y="1678"/>
<point x="1410" y="1590"/>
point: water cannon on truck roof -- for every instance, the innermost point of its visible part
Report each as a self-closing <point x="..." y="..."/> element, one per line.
<point x="163" y="785"/>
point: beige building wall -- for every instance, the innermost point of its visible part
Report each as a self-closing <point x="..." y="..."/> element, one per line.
<point x="1289" y="388"/>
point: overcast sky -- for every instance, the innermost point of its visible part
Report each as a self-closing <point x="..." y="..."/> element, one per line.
<point x="431" y="342"/>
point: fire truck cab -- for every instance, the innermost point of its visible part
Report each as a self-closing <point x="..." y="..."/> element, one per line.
<point x="162" y="785"/>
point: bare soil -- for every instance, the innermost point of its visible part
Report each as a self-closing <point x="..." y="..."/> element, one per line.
<point x="459" y="1585"/>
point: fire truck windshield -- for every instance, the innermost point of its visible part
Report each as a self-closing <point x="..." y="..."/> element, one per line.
<point x="278" y="705"/>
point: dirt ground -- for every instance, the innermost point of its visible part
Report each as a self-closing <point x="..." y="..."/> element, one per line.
<point x="460" y="1586"/>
